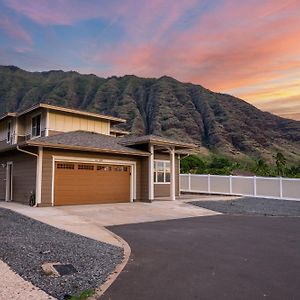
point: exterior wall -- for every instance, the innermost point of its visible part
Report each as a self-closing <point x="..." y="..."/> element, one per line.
<point x="24" y="123"/>
<point x="47" y="169"/>
<point x="65" y="122"/>
<point x="2" y="182"/>
<point x="3" y="130"/>
<point x="163" y="189"/>
<point x="24" y="175"/>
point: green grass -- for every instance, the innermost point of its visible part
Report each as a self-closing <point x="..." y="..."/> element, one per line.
<point x="84" y="295"/>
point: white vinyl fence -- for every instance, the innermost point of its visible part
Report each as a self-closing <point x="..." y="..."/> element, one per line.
<point x="265" y="187"/>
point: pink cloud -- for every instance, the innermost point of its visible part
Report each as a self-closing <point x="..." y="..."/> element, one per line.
<point x="14" y="30"/>
<point x="234" y="45"/>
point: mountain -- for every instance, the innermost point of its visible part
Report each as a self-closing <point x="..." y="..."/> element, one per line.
<point x="161" y="106"/>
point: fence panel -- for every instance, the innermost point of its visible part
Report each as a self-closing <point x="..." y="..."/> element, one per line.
<point x="243" y="185"/>
<point x="291" y="188"/>
<point x="220" y="184"/>
<point x="199" y="183"/>
<point x="267" y="187"/>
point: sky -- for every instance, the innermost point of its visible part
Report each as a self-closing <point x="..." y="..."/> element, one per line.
<point x="250" y="49"/>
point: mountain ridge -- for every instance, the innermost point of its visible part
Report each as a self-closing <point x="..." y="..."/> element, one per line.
<point x="163" y="106"/>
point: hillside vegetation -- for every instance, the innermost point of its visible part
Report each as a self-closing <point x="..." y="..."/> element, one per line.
<point x="222" y="123"/>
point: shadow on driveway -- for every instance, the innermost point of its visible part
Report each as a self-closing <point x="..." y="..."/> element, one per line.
<point x="217" y="257"/>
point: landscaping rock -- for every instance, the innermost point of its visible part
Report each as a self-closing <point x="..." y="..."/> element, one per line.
<point x="253" y="206"/>
<point x="26" y="244"/>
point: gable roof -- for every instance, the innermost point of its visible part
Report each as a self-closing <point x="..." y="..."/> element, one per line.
<point x="85" y="141"/>
<point x="114" y="120"/>
<point x="154" y="139"/>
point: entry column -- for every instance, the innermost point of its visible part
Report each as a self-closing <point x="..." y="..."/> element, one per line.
<point x="150" y="173"/>
<point x="172" y="175"/>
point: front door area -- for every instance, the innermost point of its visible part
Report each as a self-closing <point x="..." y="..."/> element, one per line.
<point x="89" y="183"/>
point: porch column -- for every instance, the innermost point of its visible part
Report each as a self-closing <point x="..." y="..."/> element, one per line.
<point x="173" y="174"/>
<point x="150" y="174"/>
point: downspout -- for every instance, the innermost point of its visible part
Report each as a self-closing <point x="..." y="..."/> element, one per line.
<point x="37" y="170"/>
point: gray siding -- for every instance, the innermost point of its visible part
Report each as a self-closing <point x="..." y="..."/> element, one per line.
<point x="24" y="175"/>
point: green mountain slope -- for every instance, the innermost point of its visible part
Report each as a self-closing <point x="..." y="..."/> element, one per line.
<point x="161" y="106"/>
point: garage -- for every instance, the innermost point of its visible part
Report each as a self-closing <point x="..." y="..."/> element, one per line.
<point x="89" y="183"/>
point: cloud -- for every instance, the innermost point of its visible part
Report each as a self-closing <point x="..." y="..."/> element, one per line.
<point x="15" y="31"/>
<point x="248" y="48"/>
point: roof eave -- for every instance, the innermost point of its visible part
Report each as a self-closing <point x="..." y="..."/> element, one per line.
<point x="7" y="115"/>
<point x="89" y="149"/>
<point x="162" y="143"/>
<point x="114" y="120"/>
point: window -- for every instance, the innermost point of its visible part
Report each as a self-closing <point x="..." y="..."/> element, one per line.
<point x="65" y="166"/>
<point x="161" y="171"/>
<point x="9" y="131"/>
<point x="86" y="167"/>
<point x="36" y="126"/>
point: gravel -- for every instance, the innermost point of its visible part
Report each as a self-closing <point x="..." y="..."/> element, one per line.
<point x="253" y="206"/>
<point x="25" y="244"/>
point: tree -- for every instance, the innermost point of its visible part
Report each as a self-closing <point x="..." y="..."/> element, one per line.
<point x="192" y="164"/>
<point x="280" y="164"/>
<point x="262" y="168"/>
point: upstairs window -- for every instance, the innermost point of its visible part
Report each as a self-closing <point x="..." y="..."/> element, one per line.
<point x="36" y="126"/>
<point x="161" y="171"/>
<point x="9" y="132"/>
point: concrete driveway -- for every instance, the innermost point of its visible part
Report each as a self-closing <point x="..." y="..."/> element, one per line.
<point x="90" y="220"/>
<point x="216" y="257"/>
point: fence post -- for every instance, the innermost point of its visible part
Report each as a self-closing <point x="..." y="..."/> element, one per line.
<point x="189" y="181"/>
<point x="254" y="183"/>
<point x="230" y="184"/>
<point x="280" y="185"/>
<point x="208" y="183"/>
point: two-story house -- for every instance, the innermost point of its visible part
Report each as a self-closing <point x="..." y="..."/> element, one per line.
<point x="65" y="156"/>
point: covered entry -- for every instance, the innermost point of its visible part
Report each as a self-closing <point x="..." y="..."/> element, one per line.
<point x="90" y="183"/>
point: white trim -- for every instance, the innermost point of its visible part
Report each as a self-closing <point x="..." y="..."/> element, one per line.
<point x="39" y="168"/>
<point x="47" y="123"/>
<point x="9" y="181"/>
<point x="130" y="163"/>
<point x="150" y="173"/>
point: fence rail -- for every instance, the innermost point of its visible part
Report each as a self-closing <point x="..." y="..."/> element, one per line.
<point x="254" y="186"/>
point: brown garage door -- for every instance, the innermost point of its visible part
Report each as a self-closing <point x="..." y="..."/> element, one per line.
<point x="84" y="183"/>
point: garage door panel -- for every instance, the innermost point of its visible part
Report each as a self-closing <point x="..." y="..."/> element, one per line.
<point x="91" y="183"/>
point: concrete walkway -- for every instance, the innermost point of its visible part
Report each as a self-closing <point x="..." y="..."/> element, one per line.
<point x="12" y="286"/>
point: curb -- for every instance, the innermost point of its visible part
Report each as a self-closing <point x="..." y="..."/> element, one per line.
<point x="119" y="268"/>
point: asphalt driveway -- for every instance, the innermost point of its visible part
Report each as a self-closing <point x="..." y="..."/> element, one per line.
<point x="216" y="257"/>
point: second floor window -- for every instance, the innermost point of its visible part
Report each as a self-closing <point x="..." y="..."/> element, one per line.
<point x="8" y="131"/>
<point x="36" y="126"/>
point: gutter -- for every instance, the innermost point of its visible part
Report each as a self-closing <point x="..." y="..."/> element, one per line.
<point x="37" y="156"/>
<point x="27" y="152"/>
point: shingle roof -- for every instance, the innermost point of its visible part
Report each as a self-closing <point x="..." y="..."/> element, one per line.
<point x="89" y="141"/>
<point x="134" y="139"/>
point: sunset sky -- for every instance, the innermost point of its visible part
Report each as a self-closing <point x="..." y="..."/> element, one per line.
<point x="250" y="49"/>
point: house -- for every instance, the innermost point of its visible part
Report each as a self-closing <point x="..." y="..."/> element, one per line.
<point x="65" y="156"/>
